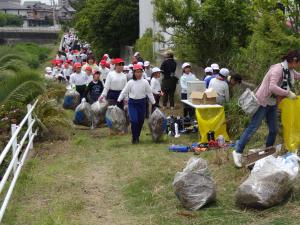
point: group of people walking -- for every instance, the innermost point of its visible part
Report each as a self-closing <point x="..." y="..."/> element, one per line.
<point x="138" y="83"/>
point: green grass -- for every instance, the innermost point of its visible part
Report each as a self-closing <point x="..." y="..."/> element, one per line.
<point x="94" y="178"/>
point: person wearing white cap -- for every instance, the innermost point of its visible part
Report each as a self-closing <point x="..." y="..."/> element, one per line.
<point x="156" y="87"/>
<point x="220" y="85"/>
<point x="138" y="57"/>
<point x="147" y="69"/>
<point x="187" y="75"/>
<point x="208" y="73"/>
<point x="215" y="67"/>
<point x="48" y="74"/>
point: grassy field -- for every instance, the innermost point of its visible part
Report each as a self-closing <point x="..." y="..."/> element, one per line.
<point x="93" y="178"/>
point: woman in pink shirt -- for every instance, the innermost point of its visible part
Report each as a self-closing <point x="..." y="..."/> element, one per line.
<point x="276" y="85"/>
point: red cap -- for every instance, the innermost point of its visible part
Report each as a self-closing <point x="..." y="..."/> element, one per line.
<point x="103" y="62"/>
<point x="137" y="67"/>
<point x="77" y="65"/>
<point x="53" y="62"/>
<point x="88" y="68"/>
<point x="104" y="57"/>
<point x="118" y="60"/>
<point x="68" y="61"/>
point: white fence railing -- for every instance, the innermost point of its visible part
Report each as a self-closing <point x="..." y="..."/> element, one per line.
<point x="18" y="156"/>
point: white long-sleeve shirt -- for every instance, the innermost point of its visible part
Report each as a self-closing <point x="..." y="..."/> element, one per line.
<point x="79" y="79"/>
<point x="222" y="89"/>
<point x="114" y="81"/>
<point x="137" y="89"/>
<point x="104" y="72"/>
<point x="184" y="79"/>
<point x="155" y="86"/>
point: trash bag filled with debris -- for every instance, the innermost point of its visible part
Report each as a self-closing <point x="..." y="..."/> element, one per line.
<point x="83" y="114"/>
<point x="194" y="186"/>
<point x="115" y="118"/>
<point x="71" y="99"/>
<point x="98" y="113"/>
<point x="157" y="125"/>
<point x="270" y="181"/>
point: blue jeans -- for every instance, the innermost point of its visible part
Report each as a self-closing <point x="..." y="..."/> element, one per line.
<point x="137" y="113"/>
<point x="270" y="114"/>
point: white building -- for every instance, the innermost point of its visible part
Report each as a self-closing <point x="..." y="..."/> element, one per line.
<point x="147" y="20"/>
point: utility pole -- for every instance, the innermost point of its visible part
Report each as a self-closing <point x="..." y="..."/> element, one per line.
<point x="54" y="13"/>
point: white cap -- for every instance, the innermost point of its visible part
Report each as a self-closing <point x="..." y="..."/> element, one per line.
<point x="215" y="66"/>
<point x="146" y="63"/>
<point x="48" y="70"/>
<point x="130" y="65"/>
<point x="224" y="72"/>
<point x="208" y="70"/>
<point x="185" y="65"/>
<point x="156" y="69"/>
<point x="136" y="54"/>
<point x="140" y="63"/>
<point x="126" y="68"/>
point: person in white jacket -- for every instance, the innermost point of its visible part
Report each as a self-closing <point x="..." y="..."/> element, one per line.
<point x="79" y="79"/>
<point x="220" y="85"/>
<point x="114" y="84"/>
<point x="187" y="75"/>
<point x="156" y="86"/>
<point x="137" y="89"/>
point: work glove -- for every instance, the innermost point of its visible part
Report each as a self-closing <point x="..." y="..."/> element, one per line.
<point x="292" y="95"/>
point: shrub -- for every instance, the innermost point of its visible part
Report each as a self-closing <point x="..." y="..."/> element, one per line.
<point x="144" y="45"/>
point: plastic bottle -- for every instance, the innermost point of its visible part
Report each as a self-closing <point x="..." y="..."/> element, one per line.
<point x="179" y="148"/>
<point x="221" y="141"/>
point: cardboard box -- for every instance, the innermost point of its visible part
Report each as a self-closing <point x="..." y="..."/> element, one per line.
<point x="209" y="97"/>
<point x="195" y="86"/>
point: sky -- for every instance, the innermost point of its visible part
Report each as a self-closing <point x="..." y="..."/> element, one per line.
<point x="43" y="1"/>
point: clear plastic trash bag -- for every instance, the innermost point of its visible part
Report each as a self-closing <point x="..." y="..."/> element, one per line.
<point x="71" y="99"/>
<point x="270" y="181"/>
<point x="83" y="114"/>
<point x="194" y="186"/>
<point x="98" y="113"/>
<point x="157" y="124"/>
<point x="115" y="119"/>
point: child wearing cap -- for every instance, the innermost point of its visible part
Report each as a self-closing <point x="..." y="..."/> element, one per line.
<point x="148" y="70"/>
<point x="103" y="70"/>
<point x="67" y="70"/>
<point x="89" y="72"/>
<point x="78" y="79"/>
<point x="215" y="72"/>
<point x="94" y="88"/>
<point x="91" y="62"/>
<point x="155" y="86"/>
<point x="114" y="84"/>
<point x="187" y="75"/>
<point x="220" y="85"/>
<point x="138" y="90"/>
<point x="48" y="73"/>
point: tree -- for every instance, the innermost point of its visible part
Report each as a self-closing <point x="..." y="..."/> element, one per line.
<point x="207" y="32"/>
<point x="108" y="24"/>
<point x="271" y="39"/>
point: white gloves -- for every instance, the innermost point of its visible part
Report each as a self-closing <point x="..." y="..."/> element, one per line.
<point x="292" y="95"/>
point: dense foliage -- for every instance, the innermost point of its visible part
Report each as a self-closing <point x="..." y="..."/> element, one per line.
<point x="108" y="24"/>
<point x="144" y="45"/>
<point x="246" y="36"/>
<point x="10" y="20"/>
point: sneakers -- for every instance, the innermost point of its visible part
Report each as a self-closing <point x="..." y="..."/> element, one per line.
<point x="237" y="158"/>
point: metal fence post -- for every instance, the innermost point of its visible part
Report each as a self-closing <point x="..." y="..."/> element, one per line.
<point x="14" y="145"/>
<point x="29" y="122"/>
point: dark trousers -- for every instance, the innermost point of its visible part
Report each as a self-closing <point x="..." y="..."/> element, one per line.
<point x="187" y="110"/>
<point x="137" y="112"/>
<point x="81" y="90"/>
<point x="168" y="97"/>
<point x="112" y="98"/>
<point x="157" y="98"/>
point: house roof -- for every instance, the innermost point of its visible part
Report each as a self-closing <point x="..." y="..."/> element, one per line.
<point x="12" y="6"/>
